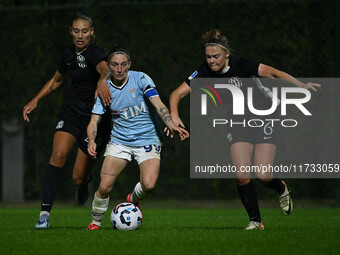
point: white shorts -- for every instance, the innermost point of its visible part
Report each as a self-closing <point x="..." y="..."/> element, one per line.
<point x="140" y="154"/>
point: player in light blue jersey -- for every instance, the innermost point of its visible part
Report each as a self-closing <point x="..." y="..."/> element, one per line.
<point x="135" y="133"/>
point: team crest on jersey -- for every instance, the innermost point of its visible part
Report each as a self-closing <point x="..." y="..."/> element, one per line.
<point x="193" y="75"/>
<point x="81" y="61"/>
<point x="236" y="81"/>
<point x="60" y="124"/>
<point x="133" y="92"/>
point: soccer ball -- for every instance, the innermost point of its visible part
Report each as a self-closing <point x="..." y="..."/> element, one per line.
<point x="126" y="216"/>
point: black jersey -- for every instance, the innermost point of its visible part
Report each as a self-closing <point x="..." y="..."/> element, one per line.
<point x="82" y="69"/>
<point x="238" y="69"/>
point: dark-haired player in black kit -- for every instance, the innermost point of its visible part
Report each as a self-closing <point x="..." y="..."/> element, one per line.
<point x="85" y="62"/>
<point x="245" y="143"/>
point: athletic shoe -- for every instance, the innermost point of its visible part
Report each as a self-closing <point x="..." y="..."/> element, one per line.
<point x="286" y="202"/>
<point x="92" y="226"/>
<point x="43" y="222"/>
<point x="253" y="225"/>
<point x="129" y="201"/>
<point x="82" y="194"/>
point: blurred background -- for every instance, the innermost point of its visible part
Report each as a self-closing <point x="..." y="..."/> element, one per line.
<point x="163" y="37"/>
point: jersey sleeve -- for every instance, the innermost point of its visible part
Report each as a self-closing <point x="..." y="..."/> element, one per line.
<point x="98" y="107"/>
<point x="145" y="81"/>
<point x="96" y="55"/>
<point x="198" y="73"/>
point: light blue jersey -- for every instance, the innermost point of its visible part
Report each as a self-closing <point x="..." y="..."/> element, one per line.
<point x="135" y="120"/>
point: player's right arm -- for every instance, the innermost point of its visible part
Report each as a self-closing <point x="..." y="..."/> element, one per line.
<point x="92" y="134"/>
<point x="49" y="86"/>
<point x="182" y="91"/>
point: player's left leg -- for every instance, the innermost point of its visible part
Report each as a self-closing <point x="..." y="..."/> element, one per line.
<point x="149" y="171"/>
<point x="82" y="175"/>
<point x="264" y="155"/>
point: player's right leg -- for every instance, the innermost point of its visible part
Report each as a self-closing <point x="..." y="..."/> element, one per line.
<point x="112" y="167"/>
<point x="62" y="145"/>
<point x="148" y="159"/>
<point x="241" y="155"/>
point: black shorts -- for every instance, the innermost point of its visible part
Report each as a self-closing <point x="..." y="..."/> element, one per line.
<point x="254" y="132"/>
<point x="74" y="123"/>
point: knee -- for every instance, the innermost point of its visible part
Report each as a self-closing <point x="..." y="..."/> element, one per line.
<point x="78" y="180"/>
<point x="104" y="190"/>
<point x="148" y="186"/>
<point x="58" y="158"/>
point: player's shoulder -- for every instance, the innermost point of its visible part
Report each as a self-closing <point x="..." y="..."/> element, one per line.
<point x="138" y="75"/>
<point x="199" y="72"/>
<point x="70" y="50"/>
<point x="240" y="60"/>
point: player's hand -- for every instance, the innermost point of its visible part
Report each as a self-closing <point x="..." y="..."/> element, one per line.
<point x="312" y="86"/>
<point x="103" y="92"/>
<point x="177" y="121"/>
<point x="28" y="109"/>
<point x="92" y="149"/>
<point x="181" y="132"/>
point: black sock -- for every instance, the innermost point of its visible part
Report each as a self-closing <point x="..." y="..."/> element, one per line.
<point x="51" y="184"/>
<point x="276" y="184"/>
<point x="249" y="200"/>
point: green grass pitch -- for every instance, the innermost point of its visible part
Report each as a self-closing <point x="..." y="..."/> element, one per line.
<point x="172" y="231"/>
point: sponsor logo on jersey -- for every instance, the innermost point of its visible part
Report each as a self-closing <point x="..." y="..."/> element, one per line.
<point x="81" y="61"/>
<point x="60" y="124"/>
<point x="133" y="111"/>
<point x="193" y="75"/>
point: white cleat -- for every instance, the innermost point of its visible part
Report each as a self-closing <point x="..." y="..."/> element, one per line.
<point x="253" y="225"/>
<point x="286" y="202"/>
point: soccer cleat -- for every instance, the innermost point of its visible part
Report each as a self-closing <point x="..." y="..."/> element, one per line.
<point x="286" y="202"/>
<point x="253" y="225"/>
<point x="82" y="194"/>
<point x="43" y="222"/>
<point x="129" y="201"/>
<point x="92" y="226"/>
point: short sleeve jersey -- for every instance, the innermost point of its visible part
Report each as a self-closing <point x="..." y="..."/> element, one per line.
<point x="82" y="69"/>
<point x="239" y="68"/>
<point x="135" y="120"/>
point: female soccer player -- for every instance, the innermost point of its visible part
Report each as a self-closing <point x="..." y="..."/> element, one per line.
<point x="245" y="143"/>
<point x="85" y="61"/>
<point x="135" y="131"/>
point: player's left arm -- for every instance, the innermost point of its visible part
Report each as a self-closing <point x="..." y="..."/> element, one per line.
<point x="266" y="71"/>
<point x="164" y="114"/>
<point x="103" y="90"/>
<point x="92" y="134"/>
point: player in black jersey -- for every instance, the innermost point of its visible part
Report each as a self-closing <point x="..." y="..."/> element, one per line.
<point x="85" y="62"/>
<point x="245" y="143"/>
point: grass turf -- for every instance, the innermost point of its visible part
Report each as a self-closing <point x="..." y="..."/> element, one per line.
<point x="173" y="231"/>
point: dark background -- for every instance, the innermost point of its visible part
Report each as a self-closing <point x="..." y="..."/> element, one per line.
<point x="163" y="37"/>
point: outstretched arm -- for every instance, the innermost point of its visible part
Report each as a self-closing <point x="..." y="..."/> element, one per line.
<point x="270" y="72"/>
<point x="164" y="114"/>
<point x="49" y="86"/>
<point x="92" y="134"/>
<point x="182" y="91"/>
<point x="103" y="90"/>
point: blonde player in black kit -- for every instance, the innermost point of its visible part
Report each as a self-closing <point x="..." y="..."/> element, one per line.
<point x="245" y="143"/>
<point x="85" y="62"/>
